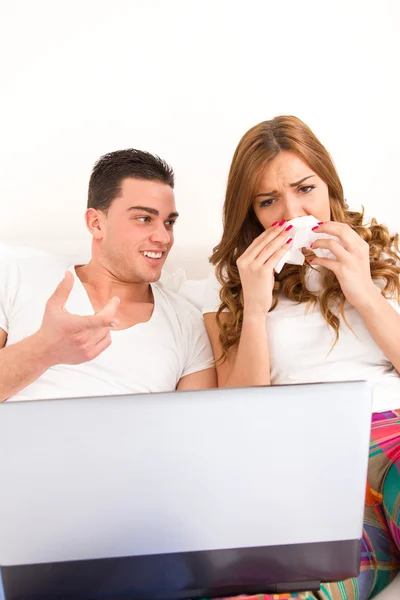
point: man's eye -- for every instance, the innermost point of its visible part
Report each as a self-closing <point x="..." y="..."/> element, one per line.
<point x="306" y="189"/>
<point x="143" y="219"/>
<point x="170" y="223"/>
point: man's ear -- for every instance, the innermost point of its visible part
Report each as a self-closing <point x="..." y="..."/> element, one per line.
<point x="94" y="220"/>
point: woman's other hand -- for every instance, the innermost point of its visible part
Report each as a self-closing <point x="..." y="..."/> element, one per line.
<point x="352" y="264"/>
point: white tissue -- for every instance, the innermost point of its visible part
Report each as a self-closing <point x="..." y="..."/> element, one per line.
<point x="303" y="236"/>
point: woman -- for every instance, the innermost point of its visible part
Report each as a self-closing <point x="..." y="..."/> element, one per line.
<point x="330" y="319"/>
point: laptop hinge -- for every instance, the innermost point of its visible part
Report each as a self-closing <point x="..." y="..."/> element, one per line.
<point x="297" y="586"/>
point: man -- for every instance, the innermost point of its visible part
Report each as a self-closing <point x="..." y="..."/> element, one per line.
<point x="108" y="328"/>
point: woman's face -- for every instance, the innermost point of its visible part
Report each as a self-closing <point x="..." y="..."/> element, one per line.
<point x="288" y="189"/>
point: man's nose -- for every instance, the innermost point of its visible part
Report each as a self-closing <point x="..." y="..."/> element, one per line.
<point x="160" y="234"/>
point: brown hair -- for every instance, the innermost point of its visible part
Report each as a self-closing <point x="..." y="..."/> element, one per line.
<point x="258" y="147"/>
<point x="112" y="168"/>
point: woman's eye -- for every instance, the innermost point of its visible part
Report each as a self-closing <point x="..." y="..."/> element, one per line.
<point x="268" y="202"/>
<point x="306" y="189"/>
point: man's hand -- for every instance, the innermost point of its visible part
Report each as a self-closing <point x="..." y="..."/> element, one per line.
<point x="72" y="339"/>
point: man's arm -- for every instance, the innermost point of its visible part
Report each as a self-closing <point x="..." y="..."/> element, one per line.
<point x="3" y="338"/>
<point x="20" y="364"/>
<point x="201" y="380"/>
<point x="63" y="338"/>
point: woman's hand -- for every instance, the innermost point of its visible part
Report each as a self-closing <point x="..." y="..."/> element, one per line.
<point x="352" y="265"/>
<point x="256" y="267"/>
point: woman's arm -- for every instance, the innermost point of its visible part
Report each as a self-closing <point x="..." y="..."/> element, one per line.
<point x="383" y="323"/>
<point x="352" y="268"/>
<point x="248" y="362"/>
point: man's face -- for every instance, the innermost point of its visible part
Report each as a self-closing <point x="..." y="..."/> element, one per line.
<point x="136" y="235"/>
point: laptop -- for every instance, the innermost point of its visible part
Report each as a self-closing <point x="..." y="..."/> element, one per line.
<point x="184" y="494"/>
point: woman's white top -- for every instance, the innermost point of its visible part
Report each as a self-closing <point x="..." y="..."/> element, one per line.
<point x="302" y="350"/>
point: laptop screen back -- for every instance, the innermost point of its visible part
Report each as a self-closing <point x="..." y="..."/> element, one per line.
<point x="180" y="474"/>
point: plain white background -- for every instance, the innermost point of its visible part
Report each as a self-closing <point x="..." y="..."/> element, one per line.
<point x="186" y="79"/>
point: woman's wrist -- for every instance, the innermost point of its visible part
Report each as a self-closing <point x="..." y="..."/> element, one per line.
<point x="369" y="301"/>
<point x="254" y="315"/>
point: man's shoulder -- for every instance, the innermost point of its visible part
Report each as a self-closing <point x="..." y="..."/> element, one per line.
<point x="9" y="270"/>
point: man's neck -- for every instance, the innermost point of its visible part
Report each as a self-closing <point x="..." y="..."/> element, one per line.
<point x="105" y="284"/>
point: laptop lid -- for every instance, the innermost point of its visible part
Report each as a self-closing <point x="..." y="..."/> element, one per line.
<point x="183" y="494"/>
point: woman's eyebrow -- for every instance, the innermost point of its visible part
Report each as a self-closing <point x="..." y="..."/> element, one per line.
<point x="274" y="192"/>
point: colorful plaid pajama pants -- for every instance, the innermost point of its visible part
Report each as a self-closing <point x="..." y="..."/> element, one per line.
<point x="380" y="549"/>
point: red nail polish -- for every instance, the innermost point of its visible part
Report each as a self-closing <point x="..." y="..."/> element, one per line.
<point x="289" y="228"/>
<point x="311" y="245"/>
<point x="282" y="222"/>
<point x="273" y="224"/>
<point x="321" y="223"/>
<point x="289" y="240"/>
<point x="311" y="259"/>
<point x="314" y="228"/>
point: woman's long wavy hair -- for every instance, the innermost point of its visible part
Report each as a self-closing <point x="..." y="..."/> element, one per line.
<point x="258" y="147"/>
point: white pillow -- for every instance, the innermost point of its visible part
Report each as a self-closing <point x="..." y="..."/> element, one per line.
<point x="192" y="290"/>
<point x="27" y="252"/>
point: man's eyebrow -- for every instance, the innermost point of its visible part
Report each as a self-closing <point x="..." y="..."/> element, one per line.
<point x="274" y="192"/>
<point x="153" y="211"/>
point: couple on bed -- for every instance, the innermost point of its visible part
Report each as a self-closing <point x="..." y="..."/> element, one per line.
<point x="109" y="328"/>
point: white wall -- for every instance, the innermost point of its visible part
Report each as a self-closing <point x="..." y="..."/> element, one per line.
<point x="186" y="79"/>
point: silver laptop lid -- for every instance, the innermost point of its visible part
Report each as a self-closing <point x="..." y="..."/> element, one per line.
<point x="182" y="472"/>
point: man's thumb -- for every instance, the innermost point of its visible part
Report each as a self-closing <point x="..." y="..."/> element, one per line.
<point x="60" y="296"/>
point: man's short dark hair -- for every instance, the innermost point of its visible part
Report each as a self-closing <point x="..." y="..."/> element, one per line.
<point x="111" y="169"/>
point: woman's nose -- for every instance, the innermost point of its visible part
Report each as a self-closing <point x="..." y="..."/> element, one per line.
<point x="292" y="208"/>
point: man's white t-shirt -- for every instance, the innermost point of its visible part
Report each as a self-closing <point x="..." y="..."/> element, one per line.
<point x="148" y="357"/>
<point x="302" y="350"/>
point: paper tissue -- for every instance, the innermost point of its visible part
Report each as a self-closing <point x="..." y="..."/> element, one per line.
<point x="303" y="236"/>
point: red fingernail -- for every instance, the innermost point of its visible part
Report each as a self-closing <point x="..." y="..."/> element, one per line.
<point x="289" y="228"/>
<point x="311" y="259"/>
<point x="314" y="228"/>
<point x="289" y="240"/>
<point x="282" y="222"/>
<point x="321" y="223"/>
<point x="311" y="245"/>
<point x="273" y="224"/>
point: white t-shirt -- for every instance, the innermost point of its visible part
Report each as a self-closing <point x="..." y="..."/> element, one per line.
<point x="148" y="357"/>
<point x="302" y="351"/>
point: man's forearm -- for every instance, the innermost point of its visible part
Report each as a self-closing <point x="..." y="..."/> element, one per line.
<point x="20" y="365"/>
